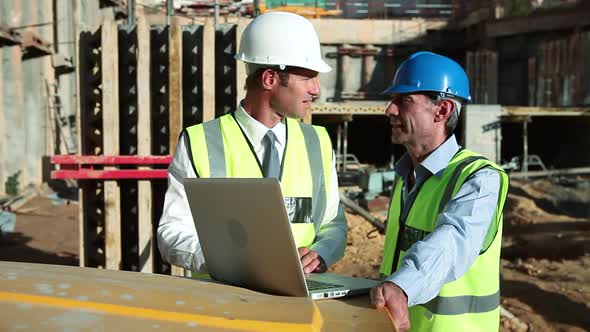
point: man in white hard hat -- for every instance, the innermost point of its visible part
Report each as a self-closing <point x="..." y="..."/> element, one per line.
<point x="264" y="137"/>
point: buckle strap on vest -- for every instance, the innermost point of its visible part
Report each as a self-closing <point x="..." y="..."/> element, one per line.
<point x="215" y="149"/>
<point x="465" y="304"/>
<point x="314" y="155"/>
<point x="448" y="194"/>
<point x="411" y="235"/>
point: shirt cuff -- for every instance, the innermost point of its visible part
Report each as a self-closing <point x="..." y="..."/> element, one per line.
<point x="409" y="281"/>
<point x="325" y="253"/>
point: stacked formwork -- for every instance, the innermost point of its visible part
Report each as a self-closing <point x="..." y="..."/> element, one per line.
<point x="139" y="86"/>
<point x="482" y="69"/>
<point x="557" y="72"/>
<point x="225" y="69"/>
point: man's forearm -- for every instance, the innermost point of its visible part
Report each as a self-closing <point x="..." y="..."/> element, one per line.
<point x="330" y="241"/>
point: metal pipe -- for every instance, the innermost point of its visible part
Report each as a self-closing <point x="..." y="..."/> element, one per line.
<point x="345" y="146"/>
<point x="169" y="10"/>
<point x="131" y="12"/>
<point x="339" y="148"/>
<point x="216" y="13"/>
<point x="256" y="8"/>
<point x="380" y="225"/>
<point x="553" y="172"/>
<point x="525" y="147"/>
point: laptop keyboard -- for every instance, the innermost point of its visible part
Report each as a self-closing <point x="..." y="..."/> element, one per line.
<point x="317" y="285"/>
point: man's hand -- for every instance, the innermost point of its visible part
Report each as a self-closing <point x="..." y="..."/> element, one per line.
<point x="392" y="297"/>
<point x="311" y="261"/>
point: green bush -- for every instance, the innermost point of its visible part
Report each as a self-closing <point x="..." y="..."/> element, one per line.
<point x="12" y="184"/>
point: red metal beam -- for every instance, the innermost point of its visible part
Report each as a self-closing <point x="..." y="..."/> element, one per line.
<point x="82" y="167"/>
<point x="118" y="174"/>
<point x="110" y="160"/>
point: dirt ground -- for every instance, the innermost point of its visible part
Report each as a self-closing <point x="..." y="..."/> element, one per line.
<point x="545" y="265"/>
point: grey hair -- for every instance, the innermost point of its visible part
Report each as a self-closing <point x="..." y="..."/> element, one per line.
<point x="454" y="118"/>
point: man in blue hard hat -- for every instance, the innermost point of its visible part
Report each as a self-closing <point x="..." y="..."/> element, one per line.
<point x="442" y="246"/>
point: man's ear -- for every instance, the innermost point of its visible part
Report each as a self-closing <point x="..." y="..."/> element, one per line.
<point x="269" y="78"/>
<point x="445" y="109"/>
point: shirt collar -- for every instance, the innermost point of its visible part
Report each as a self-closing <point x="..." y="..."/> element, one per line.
<point x="435" y="163"/>
<point x="440" y="158"/>
<point x="255" y="131"/>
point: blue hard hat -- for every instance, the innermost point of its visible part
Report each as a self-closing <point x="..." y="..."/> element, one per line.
<point x="430" y="72"/>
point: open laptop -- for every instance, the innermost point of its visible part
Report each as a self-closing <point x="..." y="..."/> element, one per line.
<point x="247" y="241"/>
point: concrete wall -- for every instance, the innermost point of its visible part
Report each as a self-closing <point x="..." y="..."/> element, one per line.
<point x="26" y="134"/>
<point x="23" y="99"/>
<point x="482" y="131"/>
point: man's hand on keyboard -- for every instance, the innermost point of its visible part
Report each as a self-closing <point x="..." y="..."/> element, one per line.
<point x="311" y="261"/>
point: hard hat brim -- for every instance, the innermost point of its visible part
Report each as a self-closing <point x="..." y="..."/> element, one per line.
<point x="411" y="89"/>
<point x="400" y="89"/>
<point x="318" y="66"/>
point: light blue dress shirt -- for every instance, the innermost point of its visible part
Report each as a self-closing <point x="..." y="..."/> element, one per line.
<point x="448" y="252"/>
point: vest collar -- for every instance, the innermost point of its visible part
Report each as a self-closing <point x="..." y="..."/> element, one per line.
<point x="255" y="130"/>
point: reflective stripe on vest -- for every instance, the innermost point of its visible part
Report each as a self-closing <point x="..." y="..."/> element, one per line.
<point x="314" y="155"/>
<point x="458" y="305"/>
<point x="215" y="149"/>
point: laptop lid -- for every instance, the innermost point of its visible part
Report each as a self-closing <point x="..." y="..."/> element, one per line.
<point x="247" y="241"/>
<point x="245" y="235"/>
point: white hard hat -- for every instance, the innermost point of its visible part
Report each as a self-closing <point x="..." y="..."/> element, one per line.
<point x="282" y="39"/>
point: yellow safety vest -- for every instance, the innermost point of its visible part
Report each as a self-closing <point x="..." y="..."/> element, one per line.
<point x="219" y="148"/>
<point x="472" y="302"/>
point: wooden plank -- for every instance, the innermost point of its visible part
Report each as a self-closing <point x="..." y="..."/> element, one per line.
<point x="307" y="117"/>
<point x="240" y="67"/>
<point x="542" y="75"/>
<point x="110" y="105"/>
<point x="532" y="77"/>
<point x="469" y="63"/>
<point x="146" y="245"/>
<point x="175" y="98"/>
<point x="581" y="70"/>
<point x="208" y="71"/>
<point x="81" y="210"/>
<point x="584" y="89"/>
<point x="493" y="79"/>
<point x="477" y="79"/>
<point x="549" y="76"/>
<point x="175" y="84"/>
<point x="3" y="131"/>
<point x="176" y="270"/>
<point x="355" y="108"/>
<point x="545" y="111"/>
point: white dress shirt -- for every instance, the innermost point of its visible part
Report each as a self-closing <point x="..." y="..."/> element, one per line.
<point x="177" y="237"/>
